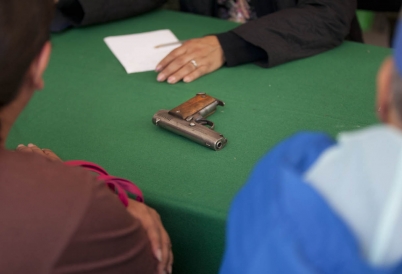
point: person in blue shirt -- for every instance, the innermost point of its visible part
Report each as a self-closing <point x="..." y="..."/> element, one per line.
<point x="316" y="205"/>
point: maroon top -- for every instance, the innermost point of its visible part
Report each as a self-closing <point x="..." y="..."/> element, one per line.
<point x="59" y="219"/>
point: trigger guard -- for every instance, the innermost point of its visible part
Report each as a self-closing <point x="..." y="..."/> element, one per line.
<point x="206" y="123"/>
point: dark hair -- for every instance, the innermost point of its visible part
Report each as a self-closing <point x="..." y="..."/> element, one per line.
<point x="24" y="29"/>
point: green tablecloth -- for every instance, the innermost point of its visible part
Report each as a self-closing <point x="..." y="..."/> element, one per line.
<point x="91" y="109"/>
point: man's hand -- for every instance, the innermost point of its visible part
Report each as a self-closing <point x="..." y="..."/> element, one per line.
<point x="192" y="60"/>
<point x="31" y="148"/>
<point x="157" y="234"/>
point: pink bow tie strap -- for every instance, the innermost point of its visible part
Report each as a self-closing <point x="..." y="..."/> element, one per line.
<point x="122" y="187"/>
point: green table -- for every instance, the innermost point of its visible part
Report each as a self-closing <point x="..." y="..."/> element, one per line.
<point x="91" y="109"/>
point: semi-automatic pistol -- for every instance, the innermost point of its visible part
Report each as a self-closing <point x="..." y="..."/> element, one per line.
<point x="189" y="120"/>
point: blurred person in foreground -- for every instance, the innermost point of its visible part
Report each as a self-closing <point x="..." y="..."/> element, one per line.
<point x="56" y="218"/>
<point x="316" y="205"/>
<point x="273" y="32"/>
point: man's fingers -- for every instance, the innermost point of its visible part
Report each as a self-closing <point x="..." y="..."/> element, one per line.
<point x="155" y="239"/>
<point x="167" y="259"/>
<point x="35" y="149"/>
<point x="180" y="67"/>
<point x="154" y="235"/>
<point x="170" y="263"/>
<point x="31" y="148"/>
<point x="206" y="53"/>
<point x="162" y="244"/>
<point x="143" y="213"/>
<point x="176" y="64"/>
<point x="51" y="155"/>
<point x="165" y="243"/>
<point x="182" y="72"/>
<point x="170" y="57"/>
<point x="177" y="59"/>
<point x="157" y="235"/>
<point x="23" y="148"/>
<point x="202" y="70"/>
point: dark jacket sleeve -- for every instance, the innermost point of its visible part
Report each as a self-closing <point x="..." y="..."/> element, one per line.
<point x="238" y="51"/>
<point x="309" y="28"/>
<point x="87" y="12"/>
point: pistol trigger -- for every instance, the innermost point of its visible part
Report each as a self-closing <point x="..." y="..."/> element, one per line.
<point x="207" y="123"/>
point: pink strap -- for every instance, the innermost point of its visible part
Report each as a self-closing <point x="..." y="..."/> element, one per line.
<point x="118" y="185"/>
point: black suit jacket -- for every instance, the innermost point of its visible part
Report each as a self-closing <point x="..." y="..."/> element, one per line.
<point x="376" y="5"/>
<point x="285" y="30"/>
<point x="87" y="12"/>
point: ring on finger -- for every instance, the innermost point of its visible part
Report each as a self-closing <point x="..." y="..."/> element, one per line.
<point x="194" y="63"/>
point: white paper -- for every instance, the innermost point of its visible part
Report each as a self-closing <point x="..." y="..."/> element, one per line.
<point x="137" y="52"/>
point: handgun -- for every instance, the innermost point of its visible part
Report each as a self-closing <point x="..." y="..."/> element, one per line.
<point x="189" y="120"/>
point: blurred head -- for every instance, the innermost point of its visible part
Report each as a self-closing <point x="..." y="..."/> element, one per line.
<point x="24" y="53"/>
<point x="389" y="84"/>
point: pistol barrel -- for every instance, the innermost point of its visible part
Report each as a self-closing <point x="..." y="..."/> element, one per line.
<point x="190" y="129"/>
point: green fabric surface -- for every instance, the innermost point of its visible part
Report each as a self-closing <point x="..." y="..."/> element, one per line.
<point x="91" y="109"/>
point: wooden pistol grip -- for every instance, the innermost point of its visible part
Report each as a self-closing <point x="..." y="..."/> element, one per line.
<point x="192" y="106"/>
